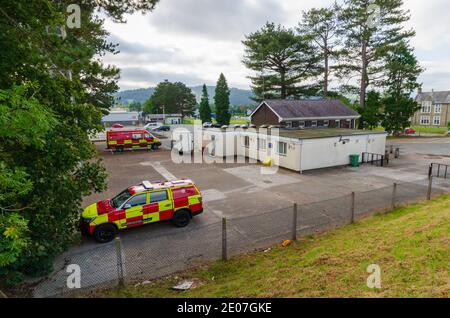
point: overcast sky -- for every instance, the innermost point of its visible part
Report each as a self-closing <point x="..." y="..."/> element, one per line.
<point x="193" y="41"/>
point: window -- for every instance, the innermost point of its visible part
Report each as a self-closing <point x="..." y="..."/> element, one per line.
<point x="314" y="123"/>
<point x="282" y="148"/>
<point x="288" y="124"/>
<point x="438" y="109"/>
<point x="136" y="136"/>
<point x="326" y="123"/>
<point x="138" y="200"/>
<point x="184" y="192"/>
<point x="247" y="142"/>
<point x="302" y="124"/>
<point x="262" y="144"/>
<point x="426" y="107"/>
<point x="437" y="120"/>
<point x="120" y="199"/>
<point x="158" y="196"/>
<point x="425" y="120"/>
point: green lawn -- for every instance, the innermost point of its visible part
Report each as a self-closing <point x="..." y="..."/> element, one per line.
<point x="430" y="129"/>
<point x="410" y="244"/>
<point x="234" y="121"/>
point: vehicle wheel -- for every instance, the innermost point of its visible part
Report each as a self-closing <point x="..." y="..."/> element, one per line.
<point x="155" y="147"/>
<point x="105" y="233"/>
<point x="181" y="218"/>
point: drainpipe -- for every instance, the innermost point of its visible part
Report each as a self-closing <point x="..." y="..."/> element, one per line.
<point x="301" y="156"/>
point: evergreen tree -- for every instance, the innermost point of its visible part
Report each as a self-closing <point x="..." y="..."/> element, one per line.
<point x="54" y="90"/>
<point x="373" y="29"/>
<point x="402" y="72"/>
<point x="205" y="109"/>
<point x="322" y="26"/>
<point x="284" y="61"/>
<point x="371" y="114"/>
<point x="222" y="101"/>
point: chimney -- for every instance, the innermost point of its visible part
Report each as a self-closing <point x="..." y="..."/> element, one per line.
<point x="420" y="89"/>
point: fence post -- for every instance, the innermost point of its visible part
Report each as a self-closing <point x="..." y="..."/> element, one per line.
<point x="430" y="188"/>
<point x="294" y="222"/>
<point x="118" y="246"/>
<point x="394" y="195"/>
<point x="353" y="208"/>
<point x="224" y="239"/>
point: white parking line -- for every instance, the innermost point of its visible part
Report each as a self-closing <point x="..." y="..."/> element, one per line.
<point x="161" y="170"/>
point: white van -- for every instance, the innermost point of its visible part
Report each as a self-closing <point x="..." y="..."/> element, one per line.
<point x="152" y="126"/>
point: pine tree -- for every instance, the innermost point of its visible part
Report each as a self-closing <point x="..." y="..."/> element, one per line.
<point x="322" y="26"/>
<point x="222" y="101"/>
<point x="373" y="29"/>
<point x="205" y="110"/>
<point x="284" y="63"/>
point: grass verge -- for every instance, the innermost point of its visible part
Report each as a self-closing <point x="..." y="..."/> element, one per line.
<point x="430" y="130"/>
<point x="410" y="244"/>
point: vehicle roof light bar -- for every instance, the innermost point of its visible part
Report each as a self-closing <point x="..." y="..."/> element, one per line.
<point x="147" y="185"/>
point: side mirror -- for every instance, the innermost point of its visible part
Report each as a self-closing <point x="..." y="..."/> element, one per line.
<point x="127" y="206"/>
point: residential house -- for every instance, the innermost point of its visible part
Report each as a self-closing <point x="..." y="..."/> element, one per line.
<point x="435" y="109"/>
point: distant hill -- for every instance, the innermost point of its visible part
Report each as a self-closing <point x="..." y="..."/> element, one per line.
<point x="237" y="96"/>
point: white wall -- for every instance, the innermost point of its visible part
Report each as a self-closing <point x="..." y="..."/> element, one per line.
<point x="302" y="155"/>
<point x="330" y="152"/>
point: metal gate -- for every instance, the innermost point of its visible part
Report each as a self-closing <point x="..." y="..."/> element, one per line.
<point x="439" y="170"/>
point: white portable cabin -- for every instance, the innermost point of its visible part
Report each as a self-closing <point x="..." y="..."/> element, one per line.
<point x="298" y="150"/>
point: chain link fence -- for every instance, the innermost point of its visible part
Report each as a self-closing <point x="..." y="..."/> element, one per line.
<point x="149" y="256"/>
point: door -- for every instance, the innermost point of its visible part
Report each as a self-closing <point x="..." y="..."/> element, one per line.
<point x="148" y="140"/>
<point x="134" y="211"/>
<point x="138" y="141"/>
<point x="160" y="207"/>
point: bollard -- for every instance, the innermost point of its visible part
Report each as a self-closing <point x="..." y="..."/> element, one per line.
<point x="397" y="153"/>
<point x="118" y="246"/>
<point x="224" y="239"/>
<point x="294" y="222"/>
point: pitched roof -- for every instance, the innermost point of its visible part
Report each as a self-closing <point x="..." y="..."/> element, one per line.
<point x="293" y="109"/>
<point x="442" y="97"/>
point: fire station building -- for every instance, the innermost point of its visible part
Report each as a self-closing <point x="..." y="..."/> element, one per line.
<point x="309" y="135"/>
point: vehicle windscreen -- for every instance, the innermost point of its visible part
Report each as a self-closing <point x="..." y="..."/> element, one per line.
<point x="120" y="199"/>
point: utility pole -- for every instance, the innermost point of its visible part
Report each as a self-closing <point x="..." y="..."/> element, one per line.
<point x="164" y="114"/>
